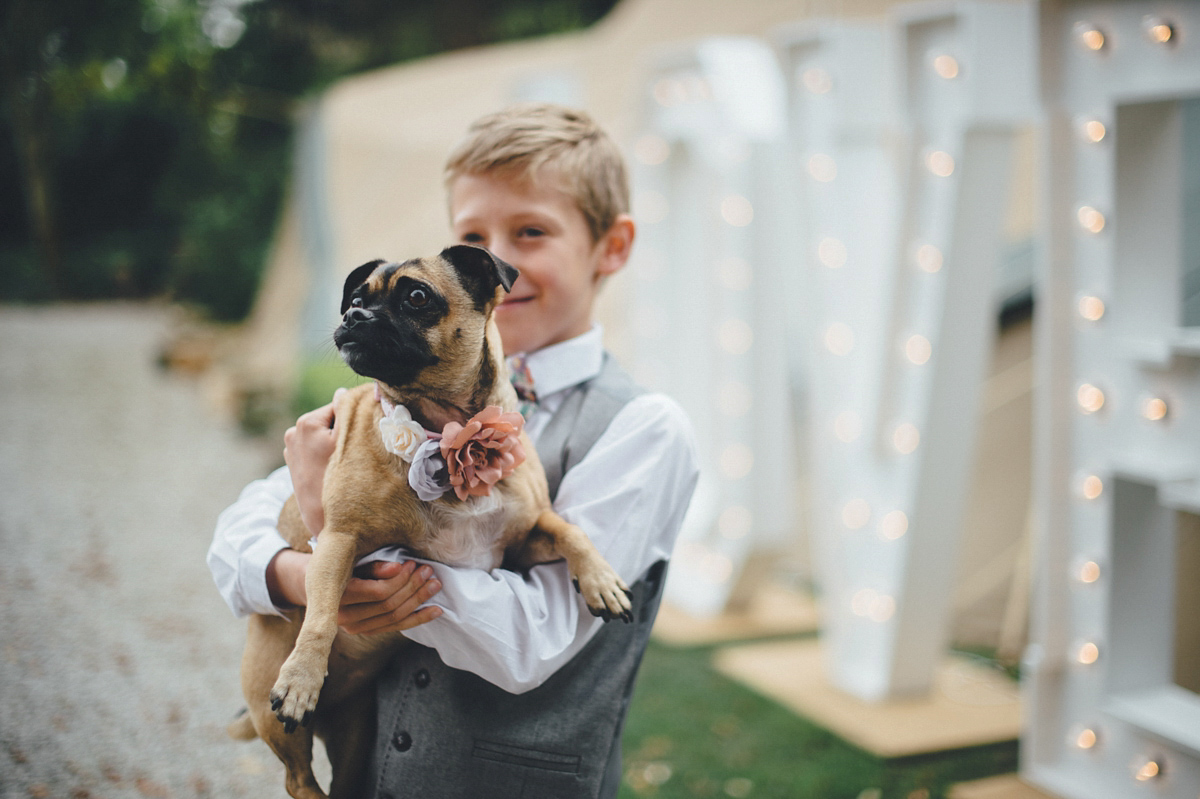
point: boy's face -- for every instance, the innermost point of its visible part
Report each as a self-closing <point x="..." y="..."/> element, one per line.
<point x="540" y="230"/>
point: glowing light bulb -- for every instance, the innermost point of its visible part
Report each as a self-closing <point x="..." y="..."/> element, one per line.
<point x="652" y="150"/>
<point x="839" y="338"/>
<point x="737" y="210"/>
<point x="1090" y="398"/>
<point x="905" y="438"/>
<point x="1091" y="308"/>
<point x="1088" y="654"/>
<point x="1094" y="130"/>
<point x="1090" y="36"/>
<point x="929" y="258"/>
<point x="832" y="253"/>
<point x="856" y="513"/>
<point x="1154" y="409"/>
<point x="940" y="163"/>
<point x="1146" y="769"/>
<point x="717" y="567"/>
<point x="860" y="603"/>
<point x="669" y="92"/>
<point x="1092" y="487"/>
<point x="735" y="336"/>
<point x="1158" y="30"/>
<point x="816" y="80"/>
<point x="918" y="349"/>
<point x="893" y="525"/>
<point x="1090" y="219"/>
<point x="1086" y="738"/>
<point x="946" y="66"/>
<point x="881" y="609"/>
<point x="737" y="460"/>
<point x="822" y="168"/>
<point x="847" y="426"/>
<point x="1089" y="572"/>
<point x="735" y="522"/>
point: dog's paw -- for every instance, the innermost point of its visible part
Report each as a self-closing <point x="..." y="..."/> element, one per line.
<point x="294" y="697"/>
<point x="605" y="593"/>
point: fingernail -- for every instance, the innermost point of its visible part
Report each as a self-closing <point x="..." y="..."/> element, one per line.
<point x="426" y="572"/>
<point x="434" y="586"/>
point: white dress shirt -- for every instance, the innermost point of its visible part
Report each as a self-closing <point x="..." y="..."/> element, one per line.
<point x="629" y="494"/>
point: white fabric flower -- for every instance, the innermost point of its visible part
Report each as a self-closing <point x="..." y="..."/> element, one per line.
<point x="427" y="474"/>
<point x="401" y="434"/>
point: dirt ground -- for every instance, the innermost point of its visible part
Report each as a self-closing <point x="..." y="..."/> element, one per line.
<point x="118" y="659"/>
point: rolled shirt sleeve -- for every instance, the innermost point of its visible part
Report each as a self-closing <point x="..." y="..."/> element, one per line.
<point x="629" y="494"/>
<point x="246" y="539"/>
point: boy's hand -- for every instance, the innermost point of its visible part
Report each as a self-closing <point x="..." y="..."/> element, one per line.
<point x="387" y="597"/>
<point x="380" y="597"/>
<point x="307" y="448"/>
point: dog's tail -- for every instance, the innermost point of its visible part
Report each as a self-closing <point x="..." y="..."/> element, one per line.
<point x="242" y="728"/>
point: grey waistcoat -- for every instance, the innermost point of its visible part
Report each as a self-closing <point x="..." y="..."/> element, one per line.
<point x="446" y="733"/>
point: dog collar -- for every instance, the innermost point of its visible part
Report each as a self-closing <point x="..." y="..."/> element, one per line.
<point x="470" y="458"/>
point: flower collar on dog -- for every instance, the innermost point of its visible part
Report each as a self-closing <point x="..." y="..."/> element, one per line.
<point x="469" y="458"/>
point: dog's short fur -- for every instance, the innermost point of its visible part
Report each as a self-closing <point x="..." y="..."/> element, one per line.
<point x="424" y="331"/>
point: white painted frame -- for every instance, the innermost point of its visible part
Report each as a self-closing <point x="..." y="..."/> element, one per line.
<point x="892" y="441"/>
<point x="1102" y="708"/>
<point x="709" y="304"/>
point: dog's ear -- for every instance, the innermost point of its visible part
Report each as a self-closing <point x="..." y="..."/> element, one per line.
<point x="480" y="272"/>
<point x="356" y="279"/>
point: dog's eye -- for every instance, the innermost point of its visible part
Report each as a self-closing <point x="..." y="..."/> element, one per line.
<point x="356" y="302"/>
<point x="418" y="297"/>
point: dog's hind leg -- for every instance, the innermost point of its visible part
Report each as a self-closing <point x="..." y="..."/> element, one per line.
<point x="269" y="640"/>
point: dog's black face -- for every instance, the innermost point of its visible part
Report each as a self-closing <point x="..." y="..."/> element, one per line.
<point x="408" y="324"/>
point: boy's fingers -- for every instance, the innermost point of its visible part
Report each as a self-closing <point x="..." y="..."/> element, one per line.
<point x="391" y="613"/>
<point x="381" y="569"/>
<point x="391" y="591"/>
<point x="376" y="589"/>
<point x="319" y="417"/>
<point x="388" y="622"/>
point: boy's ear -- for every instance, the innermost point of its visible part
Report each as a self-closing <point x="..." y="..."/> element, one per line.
<point x="356" y="279"/>
<point x="480" y="272"/>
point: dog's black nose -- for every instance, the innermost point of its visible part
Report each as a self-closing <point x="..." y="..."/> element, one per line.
<point x="356" y="315"/>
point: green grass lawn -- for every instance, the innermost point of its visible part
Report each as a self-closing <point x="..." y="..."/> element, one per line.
<point x="693" y="732"/>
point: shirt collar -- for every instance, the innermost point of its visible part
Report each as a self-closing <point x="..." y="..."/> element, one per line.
<point x="567" y="363"/>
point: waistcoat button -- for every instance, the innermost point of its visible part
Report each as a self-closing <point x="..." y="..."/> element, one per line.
<point x="421" y="678"/>
<point x="402" y="742"/>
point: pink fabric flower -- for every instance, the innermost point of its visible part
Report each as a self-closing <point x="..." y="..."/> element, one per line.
<point x="484" y="451"/>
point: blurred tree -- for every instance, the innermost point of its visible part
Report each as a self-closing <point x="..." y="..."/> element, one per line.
<point x="144" y="144"/>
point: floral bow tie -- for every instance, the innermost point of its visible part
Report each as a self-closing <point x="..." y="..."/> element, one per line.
<point x="522" y="381"/>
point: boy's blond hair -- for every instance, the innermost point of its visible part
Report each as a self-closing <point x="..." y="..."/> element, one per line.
<point x="544" y="140"/>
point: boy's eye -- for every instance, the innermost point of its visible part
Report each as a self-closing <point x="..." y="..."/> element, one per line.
<point x="532" y="231"/>
<point x="472" y="238"/>
<point x="418" y="297"/>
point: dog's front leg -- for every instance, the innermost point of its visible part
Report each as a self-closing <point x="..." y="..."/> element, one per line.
<point x="294" y="696"/>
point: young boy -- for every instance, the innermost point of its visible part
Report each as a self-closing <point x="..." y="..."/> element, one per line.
<point x="515" y="689"/>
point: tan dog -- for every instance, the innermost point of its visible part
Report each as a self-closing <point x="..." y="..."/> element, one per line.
<point x="424" y="331"/>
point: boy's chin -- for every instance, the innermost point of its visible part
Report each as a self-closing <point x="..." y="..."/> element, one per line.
<point x="518" y="337"/>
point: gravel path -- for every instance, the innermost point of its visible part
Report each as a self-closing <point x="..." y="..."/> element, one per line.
<point x="118" y="660"/>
